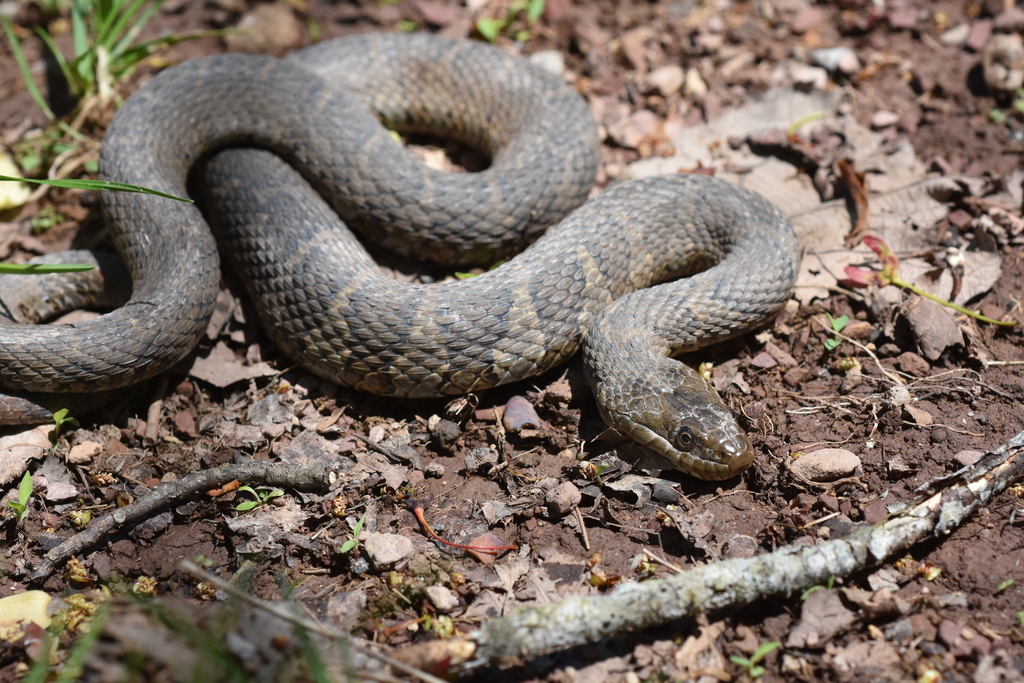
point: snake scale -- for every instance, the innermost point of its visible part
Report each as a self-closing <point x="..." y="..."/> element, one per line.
<point x="282" y="148"/>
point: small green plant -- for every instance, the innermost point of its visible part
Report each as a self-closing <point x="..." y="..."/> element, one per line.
<point x="997" y="115"/>
<point x="1004" y="585"/>
<point x="837" y="324"/>
<point x="889" y="275"/>
<point x="753" y="669"/>
<point x="60" y="418"/>
<point x="262" y="496"/>
<point x="47" y="217"/>
<point x="1020" y="617"/>
<point x="491" y="28"/>
<point x="24" y="493"/>
<point x="103" y="34"/>
<point x="353" y="543"/>
<point x="470" y="276"/>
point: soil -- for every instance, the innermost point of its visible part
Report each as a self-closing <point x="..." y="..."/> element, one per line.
<point x="959" y="601"/>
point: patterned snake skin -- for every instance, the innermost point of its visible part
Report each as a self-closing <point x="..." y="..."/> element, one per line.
<point x="586" y="282"/>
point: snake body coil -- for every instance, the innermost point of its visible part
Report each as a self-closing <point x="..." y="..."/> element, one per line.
<point x="323" y="153"/>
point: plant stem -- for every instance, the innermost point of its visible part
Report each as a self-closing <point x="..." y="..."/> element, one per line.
<point x="900" y="282"/>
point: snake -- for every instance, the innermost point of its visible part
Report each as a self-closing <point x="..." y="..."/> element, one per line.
<point x="296" y="164"/>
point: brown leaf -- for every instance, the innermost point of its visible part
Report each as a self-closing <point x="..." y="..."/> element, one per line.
<point x="857" y="200"/>
<point x="484" y="547"/>
<point x="226" y="488"/>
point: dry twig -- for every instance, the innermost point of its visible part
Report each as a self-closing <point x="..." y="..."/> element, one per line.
<point x="266" y="474"/>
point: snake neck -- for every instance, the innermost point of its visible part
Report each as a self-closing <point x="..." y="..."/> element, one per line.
<point x="663" y="404"/>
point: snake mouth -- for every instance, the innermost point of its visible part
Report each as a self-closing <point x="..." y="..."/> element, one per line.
<point x="724" y="459"/>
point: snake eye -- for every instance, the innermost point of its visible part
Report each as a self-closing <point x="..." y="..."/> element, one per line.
<point x="685" y="438"/>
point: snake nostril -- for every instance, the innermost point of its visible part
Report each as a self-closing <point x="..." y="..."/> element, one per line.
<point x="737" y="453"/>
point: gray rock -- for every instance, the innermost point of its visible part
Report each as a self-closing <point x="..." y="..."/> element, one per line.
<point x="562" y="499"/>
<point x="387" y="551"/>
<point x="827" y="464"/>
<point x="443" y="599"/>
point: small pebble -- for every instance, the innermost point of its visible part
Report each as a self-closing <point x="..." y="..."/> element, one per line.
<point x="562" y="499"/>
<point x="809" y="78"/>
<point x="884" y="119"/>
<point x="827" y="464"/>
<point x="269" y="28"/>
<point x="185" y="424"/>
<point x="666" y="80"/>
<point x="693" y="83"/>
<point x="763" y="360"/>
<point x="59" y="491"/>
<point x="83" y="453"/>
<point x="981" y="30"/>
<point x="387" y="551"/>
<point x="446" y="432"/>
<point x="967" y="458"/>
<point x="443" y="599"/>
<point x="955" y="36"/>
<point x="1003" y="63"/>
<point x="875" y="512"/>
<point x="836" y="59"/>
<point x="345" y="608"/>
<point x="480" y="459"/>
<point x="920" y="417"/>
<point x="434" y="469"/>
<point x="911" y="363"/>
<point x="794" y="377"/>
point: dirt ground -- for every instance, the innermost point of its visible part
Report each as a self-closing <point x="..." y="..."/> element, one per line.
<point x="583" y="511"/>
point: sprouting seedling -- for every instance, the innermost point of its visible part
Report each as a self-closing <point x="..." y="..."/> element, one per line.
<point x="353" y="543"/>
<point x="889" y="275"/>
<point x="262" y="497"/>
<point x="755" y="670"/>
<point x="837" y="324"/>
<point x="24" y="493"/>
<point x="60" y="419"/>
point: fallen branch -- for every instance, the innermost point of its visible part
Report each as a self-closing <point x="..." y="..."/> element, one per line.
<point x="940" y="506"/>
<point x="168" y="493"/>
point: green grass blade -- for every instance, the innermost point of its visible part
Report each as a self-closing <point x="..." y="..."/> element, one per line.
<point x="43" y="268"/>
<point x="105" y="17"/>
<point x="79" y="29"/>
<point x="139" y="23"/>
<point x="26" y="73"/>
<point x="102" y="185"/>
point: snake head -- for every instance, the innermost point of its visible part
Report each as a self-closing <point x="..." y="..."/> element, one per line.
<point x="688" y="424"/>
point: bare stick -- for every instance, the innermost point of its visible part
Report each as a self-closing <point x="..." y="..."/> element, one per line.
<point x="266" y="474"/>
